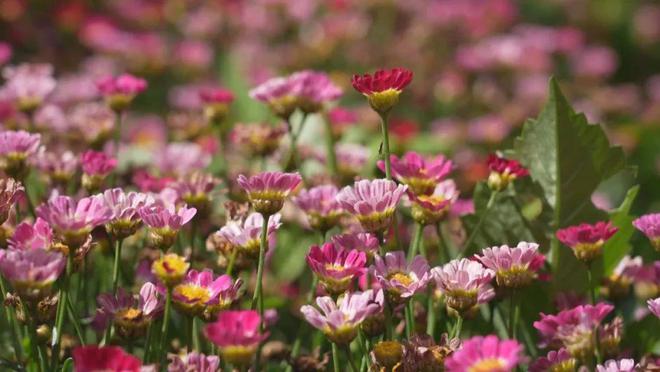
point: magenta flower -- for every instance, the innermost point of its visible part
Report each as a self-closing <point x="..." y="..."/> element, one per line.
<point x="60" y="168"/>
<point x="514" y="267"/>
<point x="237" y="334"/>
<point x="5" y="52"/>
<point x="199" y="294"/>
<point x="485" y="354"/>
<point x="321" y="206"/>
<point x="16" y="149"/>
<point x="433" y="208"/>
<point x="464" y="283"/>
<point x="336" y="267"/>
<point x="340" y="119"/>
<point x="31" y="272"/>
<point x="587" y="240"/>
<point x="340" y="321"/>
<point x="503" y="172"/>
<point x="372" y="202"/>
<point x="104" y="358"/>
<point x="573" y="328"/>
<point x="383" y="88"/>
<point x="649" y="224"/>
<point x="120" y="91"/>
<point x="130" y="316"/>
<point x="621" y="365"/>
<point x="29" y="84"/>
<point x="556" y="361"/>
<point x="165" y="221"/>
<point x="246" y="235"/>
<point x="419" y="174"/>
<point x="193" y="362"/>
<point x="216" y="102"/>
<point x="399" y="279"/>
<point x="73" y="221"/>
<point x="28" y="237"/>
<point x="125" y="208"/>
<point x="654" y="306"/>
<point x="10" y="193"/>
<point x="96" y="163"/>
<point x="363" y="242"/>
<point x="268" y="190"/>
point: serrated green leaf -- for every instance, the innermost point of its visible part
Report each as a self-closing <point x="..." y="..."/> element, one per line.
<point x="617" y="247"/>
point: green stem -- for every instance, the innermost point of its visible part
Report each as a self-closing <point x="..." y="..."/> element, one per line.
<point x="592" y="293"/>
<point x="74" y="320"/>
<point x="11" y="320"/>
<point x="195" y="335"/>
<point x="115" y="268"/>
<point x="414" y="244"/>
<point x="61" y="311"/>
<point x="491" y="202"/>
<point x="258" y="299"/>
<point x="335" y="358"/>
<point x="166" y="322"/>
<point x="410" y="318"/>
<point x="330" y="149"/>
<point x="292" y="163"/>
<point x="430" y="315"/>
<point x="349" y="356"/>
<point x="232" y="261"/>
<point x="443" y="247"/>
<point x="386" y="145"/>
<point x="513" y="315"/>
<point x="389" y="327"/>
<point x="147" y="342"/>
<point x="458" y="327"/>
<point x="32" y="331"/>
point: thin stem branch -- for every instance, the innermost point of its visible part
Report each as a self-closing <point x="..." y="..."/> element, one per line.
<point x="330" y="148"/>
<point x="410" y="318"/>
<point x="414" y="244"/>
<point x="349" y="356"/>
<point x="335" y="358"/>
<point x="489" y="205"/>
<point x="258" y="299"/>
<point x="61" y="311"/>
<point x="166" y="323"/>
<point x="115" y="268"/>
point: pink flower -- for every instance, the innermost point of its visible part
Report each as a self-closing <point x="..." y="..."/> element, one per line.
<point x="373" y="202"/>
<point x="340" y="119"/>
<point x="465" y="283"/>
<point x="399" y="279"/>
<point x="383" y="88"/>
<point x="256" y="138"/>
<point x="95" y="163"/>
<point x="16" y="149"/>
<point x="181" y="158"/>
<point x="73" y="221"/>
<point x="93" y="121"/>
<point x="94" y="358"/>
<point x="125" y="85"/>
<point x="129" y="315"/>
<point x="560" y="360"/>
<point x="10" y="193"/>
<point x="363" y="242"/>
<point x="5" y="53"/>
<point x="125" y="218"/>
<point x="60" y="167"/>
<point x="31" y="272"/>
<point x="621" y="365"/>
<point x="654" y="306"/>
<point x="503" y="172"/>
<point x="340" y="321"/>
<point x="649" y="224"/>
<point x="433" y="208"/>
<point x="212" y="95"/>
<point x="246" y="235"/>
<point x="28" y="237"/>
<point x="165" y="221"/>
<point x="237" y="335"/>
<point x="419" y="174"/>
<point x="193" y="362"/>
<point x="29" y="84"/>
<point x="268" y="190"/>
<point x="485" y="354"/>
<point x="201" y="295"/>
<point x="514" y="267"/>
<point x="587" y="240"/>
<point x="321" y="206"/>
<point x="336" y="267"/>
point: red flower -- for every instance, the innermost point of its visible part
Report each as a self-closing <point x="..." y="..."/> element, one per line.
<point x="502" y="165"/>
<point x="396" y="78"/>
<point x="587" y="240"/>
<point x="109" y="358"/>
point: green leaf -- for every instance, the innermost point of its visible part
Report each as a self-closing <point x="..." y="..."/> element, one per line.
<point x="617" y="247"/>
<point x="568" y="158"/>
<point x="288" y="261"/>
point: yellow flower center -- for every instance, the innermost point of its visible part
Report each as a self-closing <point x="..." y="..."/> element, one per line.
<point x="193" y="293"/>
<point x="401" y="278"/>
<point x="488" y="365"/>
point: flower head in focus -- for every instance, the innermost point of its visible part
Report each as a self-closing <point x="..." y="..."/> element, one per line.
<point x="363" y="242"/>
<point x="29" y="84"/>
<point x="237" y="334"/>
<point x="321" y="206"/>
<point x="96" y="166"/>
<point x="464" y="283"/>
<point x="170" y="269"/>
<point x="31" y="272"/>
<point x="587" y="240"/>
<point x="399" y="279"/>
<point x="32" y="236"/>
<point x="129" y="316"/>
<point x="433" y="208"/>
<point x="514" y="267"/>
<point x="487" y="353"/>
<point x="245" y="235"/>
<point x="104" y="358"/>
<point x="372" y="202"/>
<point x="336" y="267"/>
<point x="268" y="190"/>
<point x="200" y="294"/>
<point x="649" y="224"/>
<point x="125" y="208"/>
<point x="11" y="192"/>
<point x="119" y="91"/>
<point x="420" y="175"/>
<point x="193" y="362"/>
<point x="16" y="149"/>
<point x="165" y="220"/>
<point x="555" y="361"/>
<point x="503" y="172"/>
<point x="383" y="88"/>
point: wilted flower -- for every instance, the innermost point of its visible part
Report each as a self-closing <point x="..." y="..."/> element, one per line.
<point x="199" y="294"/>
<point x="649" y="224"/>
<point x="503" y="172"/>
<point x="129" y="316"/>
<point x="96" y="166"/>
<point x="104" y="358"/>
<point x="399" y="279"/>
<point x="383" y="88"/>
<point x="120" y="91"/>
<point x="193" y="362"/>
<point x="621" y="365"/>
<point x="363" y="242"/>
<point x="125" y="219"/>
<point x="336" y="267"/>
<point x="556" y="361"/>
<point x="321" y="206"/>
<point x="514" y="267"/>
<point x="485" y="354"/>
<point x="29" y="84"/>
<point x="372" y="202"/>
<point x="237" y="334"/>
<point x="587" y="240"/>
<point x="268" y="190"/>
<point x="420" y="175"/>
<point x="423" y="354"/>
<point x="464" y="283"/>
<point x="259" y="139"/>
<point x="27" y="236"/>
<point x="340" y="321"/>
<point x="16" y="148"/>
<point x="170" y="269"/>
<point x="10" y="192"/>
<point x="654" y="306"/>
<point x="245" y="236"/>
<point x="31" y="272"/>
<point x="216" y="102"/>
<point x="165" y="220"/>
<point x="431" y="209"/>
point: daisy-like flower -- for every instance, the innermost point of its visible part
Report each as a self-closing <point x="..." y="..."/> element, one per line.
<point x="199" y="294"/>
<point x="654" y="306"/>
<point x="258" y="139"/>
<point x="73" y="221"/>
<point x="649" y="224"/>
<point x="130" y="316"/>
<point x="464" y="283"/>
<point x="216" y="102"/>
<point x="556" y="361"/>
<point x="485" y="354"/>
<point x="514" y="267"/>
<point x="104" y="358"/>
<point x="621" y="365"/>
<point x="363" y="242"/>
<point x="374" y="324"/>
<point x="268" y="190"/>
<point x="93" y="122"/>
<point x="503" y="172"/>
<point x="340" y="321"/>
<point x="196" y="189"/>
<point x="387" y="355"/>
<point x="59" y="168"/>
<point x="245" y="236"/>
<point x="125" y="220"/>
<point x="321" y="206"/>
<point x="170" y="269"/>
<point x="351" y="160"/>
<point x="433" y="208"/>
<point x="237" y="334"/>
<point x="29" y="84"/>
<point x="180" y="158"/>
<point x="193" y="362"/>
<point x="383" y="88"/>
<point x="10" y="192"/>
<point x="165" y="220"/>
<point x="422" y="353"/>
<point x="16" y="148"/>
<point x="119" y="91"/>
<point x="372" y="202"/>
<point x="587" y="240"/>
<point x="647" y="281"/>
<point x="624" y="274"/>
<point x="27" y="236"/>
<point x="31" y="272"/>
<point x="419" y="174"/>
<point x="96" y="166"/>
<point x="336" y="267"/>
<point x="573" y="328"/>
<point x="399" y="279"/>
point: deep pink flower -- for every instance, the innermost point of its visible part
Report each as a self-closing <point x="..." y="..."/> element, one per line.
<point x="5" y="53"/>
<point x="27" y="236"/>
<point x="419" y="174"/>
<point x="130" y="316"/>
<point x="96" y="163"/>
<point x="94" y="358"/>
<point x="485" y="354"/>
<point x="372" y="202"/>
<point x="649" y="224"/>
<point x="321" y="206"/>
<point x="31" y="272"/>
<point x="465" y="283"/>
<point x="267" y="190"/>
<point x="336" y="267"/>
<point x="124" y="84"/>
<point x="433" y="208"/>
<point x="237" y="334"/>
<point x="364" y="242"/>
<point x="514" y="267"/>
<point x="29" y="84"/>
<point x="245" y="235"/>
<point x="340" y="321"/>
<point x="200" y="294"/>
<point x="621" y="365"/>
<point x="654" y="306"/>
<point x="503" y="171"/>
<point x="399" y="279"/>
<point x="73" y="221"/>
<point x="340" y="119"/>
<point x="587" y="240"/>
<point x="211" y="95"/>
<point x="559" y="360"/>
<point x="382" y="80"/>
<point x="10" y="193"/>
<point x="193" y="362"/>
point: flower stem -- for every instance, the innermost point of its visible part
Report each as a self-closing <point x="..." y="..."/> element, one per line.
<point x="417" y="240"/>
<point x="35" y="349"/>
<point x="386" y="145"/>
<point x="74" y="321"/>
<point x="292" y="163"/>
<point x="61" y="311"/>
<point x="166" y="323"/>
<point x="258" y="299"/>
<point x="115" y="268"/>
<point x="335" y="358"/>
<point x="147" y="342"/>
<point x="349" y="356"/>
<point x="11" y="320"/>
<point x="592" y="288"/>
<point x="232" y="261"/>
<point x="410" y="318"/>
<point x="389" y="327"/>
<point x="430" y="315"/>
<point x="443" y="247"/>
<point x="513" y="315"/>
<point x="457" y="327"/>
<point x="489" y="205"/>
<point x="330" y="149"/>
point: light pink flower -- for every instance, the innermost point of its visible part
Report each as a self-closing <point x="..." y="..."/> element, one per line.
<point x="259" y="139"/>
<point x="465" y="283"/>
<point x="96" y="163"/>
<point x="181" y="158"/>
<point x="237" y="334"/>
<point x="399" y="279"/>
<point x="421" y="175"/>
<point x="193" y="362"/>
<point x="431" y="209"/>
<point x="587" y="240"/>
<point x="73" y="221"/>
<point x="485" y="354"/>
<point x="621" y="365"/>
<point x="372" y="202"/>
<point x="27" y="236"/>
<point x="129" y="314"/>
<point x="649" y="224"/>
<point x="200" y="294"/>
<point x="93" y="121"/>
<point x="321" y="206"/>
<point x="246" y="234"/>
<point x="10" y="193"/>
<point x="268" y="190"/>
<point x="363" y="242"/>
<point x="19" y="144"/>
<point x="162" y="215"/>
<point x="513" y="267"/>
<point x="654" y="306"/>
<point x="336" y="267"/>
<point x="556" y="360"/>
<point x="125" y="218"/>
<point x="29" y="84"/>
<point x="31" y="272"/>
